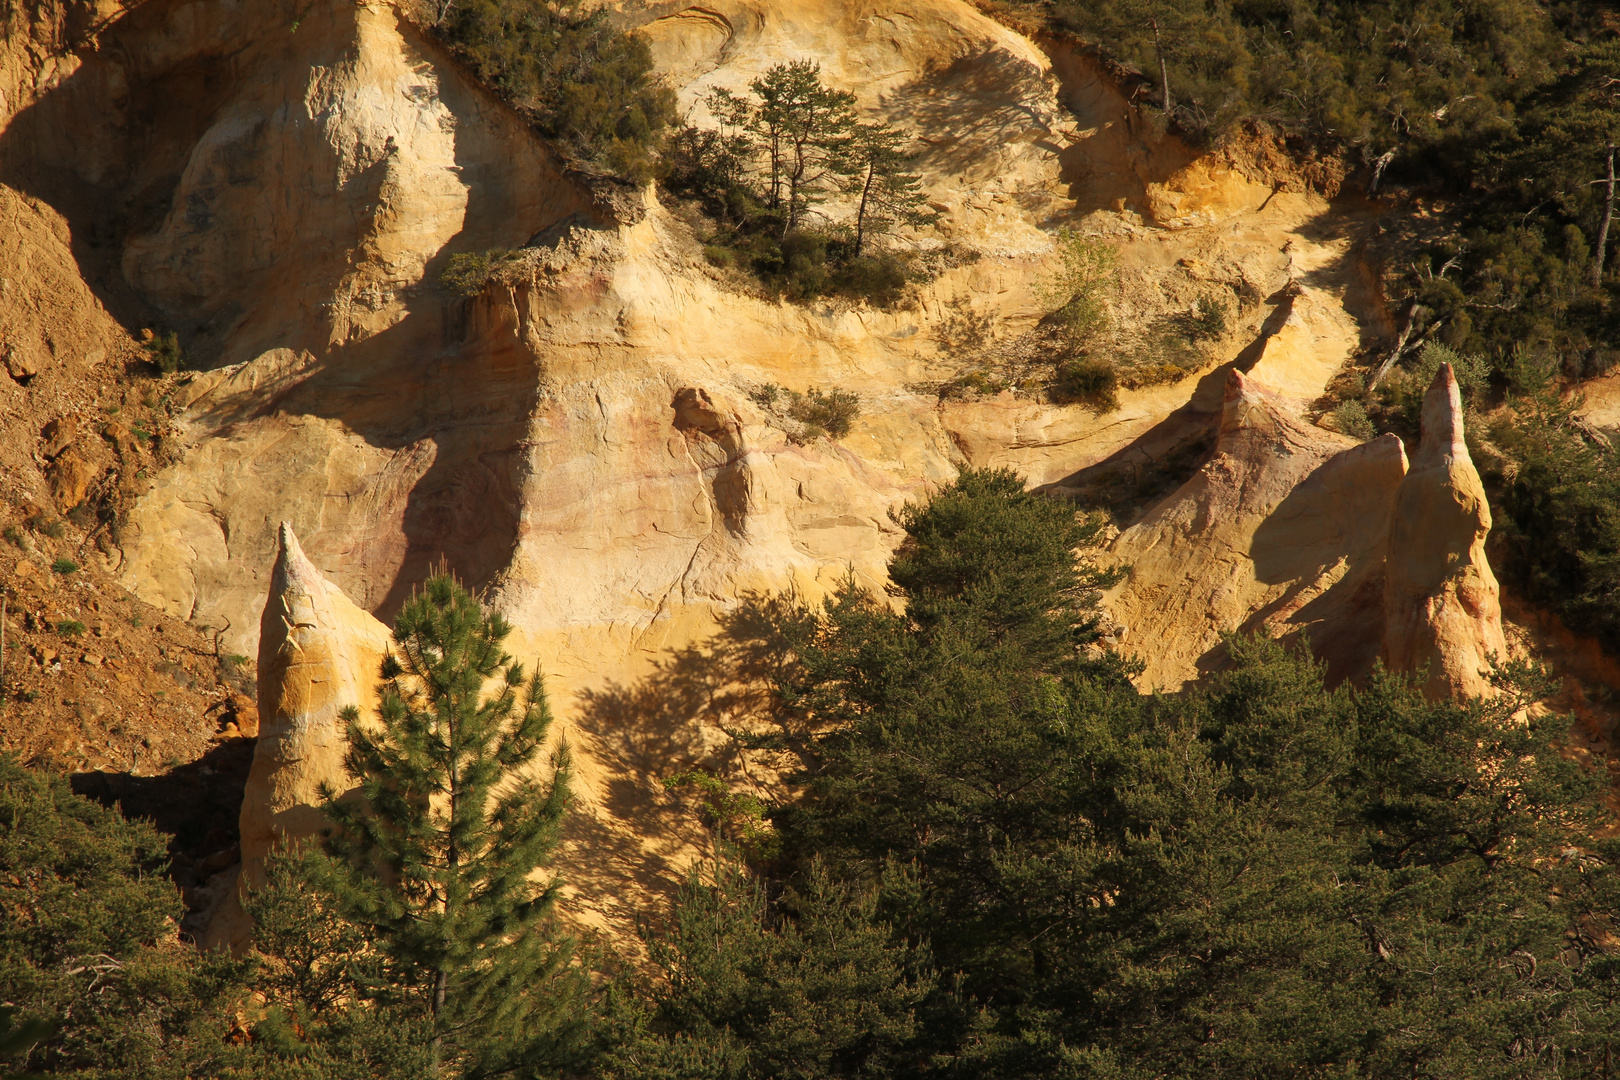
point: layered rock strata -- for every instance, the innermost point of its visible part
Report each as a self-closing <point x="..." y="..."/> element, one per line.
<point x="1442" y="605"/>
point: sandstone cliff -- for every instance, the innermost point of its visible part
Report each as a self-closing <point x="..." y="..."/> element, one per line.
<point x="1281" y="532"/>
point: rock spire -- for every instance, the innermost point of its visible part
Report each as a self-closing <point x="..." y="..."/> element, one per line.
<point x="1442" y="606"/>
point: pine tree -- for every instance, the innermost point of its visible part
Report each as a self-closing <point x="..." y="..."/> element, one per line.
<point x="812" y="986"/>
<point x="873" y="170"/>
<point x="804" y="125"/>
<point x="94" y="981"/>
<point x="445" y="849"/>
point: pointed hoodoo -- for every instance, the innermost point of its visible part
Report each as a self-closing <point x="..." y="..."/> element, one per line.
<point x="318" y="654"/>
<point x="1442" y="606"/>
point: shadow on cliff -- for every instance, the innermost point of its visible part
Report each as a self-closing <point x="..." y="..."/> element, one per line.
<point x="685" y="715"/>
<point x="197" y="803"/>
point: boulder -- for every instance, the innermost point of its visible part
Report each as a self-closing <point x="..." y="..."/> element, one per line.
<point x="72" y="475"/>
<point x="1441" y="601"/>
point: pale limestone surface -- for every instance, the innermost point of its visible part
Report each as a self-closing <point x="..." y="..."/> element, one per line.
<point x="1441" y="599"/>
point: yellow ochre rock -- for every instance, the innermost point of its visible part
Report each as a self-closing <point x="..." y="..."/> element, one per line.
<point x="1442" y="604"/>
<point x="318" y="654"/>
<point x="1281" y="531"/>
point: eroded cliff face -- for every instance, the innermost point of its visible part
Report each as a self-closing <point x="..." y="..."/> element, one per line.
<point x="1283" y="532"/>
<point x="582" y="439"/>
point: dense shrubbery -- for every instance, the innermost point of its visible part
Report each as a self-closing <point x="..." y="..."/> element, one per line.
<point x="1558" y="513"/>
<point x="565" y="66"/>
<point x="1505" y="108"/>
<point x="1381" y="76"/>
<point x="1050" y="875"/>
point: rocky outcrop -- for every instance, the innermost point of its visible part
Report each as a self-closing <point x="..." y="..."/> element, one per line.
<point x="1281" y="531"/>
<point x="1442" y="604"/>
<point x="1287" y="531"/>
<point x="318" y="655"/>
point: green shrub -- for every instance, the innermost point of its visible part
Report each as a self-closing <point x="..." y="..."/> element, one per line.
<point x="65" y="566"/>
<point x="877" y="279"/>
<point x="14" y="537"/>
<point x="789" y="144"/>
<point x="1398" y="400"/>
<point x="1087" y="379"/>
<point x="1206" y="322"/>
<point x="70" y="628"/>
<point x="583" y="83"/>
<point x="87" y="942"/>
<point x="164" y="351"/>
<point x="831" y="413"/>
<point x="467" y="273"/>
<point x="979" y="381"/>
<point x="1077" y="288"/>
<point x="1557" y="514"/>
<point x="1351" y="418"/>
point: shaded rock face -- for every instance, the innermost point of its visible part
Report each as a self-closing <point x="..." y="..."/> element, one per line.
<point x="1282" y="531"/>
<point x="318" y="654"/>
<point x="1442" y="604"/>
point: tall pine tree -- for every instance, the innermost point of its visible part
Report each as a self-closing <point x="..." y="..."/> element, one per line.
<point x="445" y="853"/>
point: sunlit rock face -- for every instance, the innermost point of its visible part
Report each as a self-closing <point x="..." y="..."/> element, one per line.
<point x="1282" y="532"/>
<point x="1441" y="599"/>
<point x="319" y="655"/>
<point x="588" y="442"/>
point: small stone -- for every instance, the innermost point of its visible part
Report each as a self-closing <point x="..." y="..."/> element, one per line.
<point x="17" y="366"/>
<point x="71" y="478"/>
<point x="93" y="660"/>
<point x="58" y="435"/>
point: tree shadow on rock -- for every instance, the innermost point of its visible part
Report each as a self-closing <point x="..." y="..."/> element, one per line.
<point x="704" y="708"/>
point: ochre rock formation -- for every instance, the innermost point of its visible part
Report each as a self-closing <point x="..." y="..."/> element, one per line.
<point x="586" y="439"/>
<point x="1442" y="604"/>
<point x="1282" y="531"/>
<point x="318" y="654"/>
